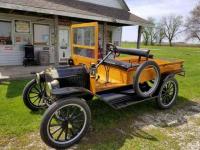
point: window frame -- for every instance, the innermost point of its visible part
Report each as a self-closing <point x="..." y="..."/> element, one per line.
<point x="49" y="43"/>
<point x="11" y="32"/>
<point x="94" y="48"/>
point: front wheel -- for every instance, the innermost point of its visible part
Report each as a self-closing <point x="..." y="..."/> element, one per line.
<point x="33" y="95"/>
<point x="65" y="123"/>
<point x="168" y="93"/>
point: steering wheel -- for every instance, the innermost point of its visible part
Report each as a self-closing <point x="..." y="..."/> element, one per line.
<point x="112" y="48"/>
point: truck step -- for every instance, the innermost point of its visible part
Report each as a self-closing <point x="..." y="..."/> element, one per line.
<point x="122" y="99"/>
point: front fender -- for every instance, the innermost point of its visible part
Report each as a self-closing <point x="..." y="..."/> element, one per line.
<point x="71" y="92"/>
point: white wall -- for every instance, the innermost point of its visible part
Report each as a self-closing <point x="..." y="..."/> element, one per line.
<point x="109" y="3"/>
<point x="14" y="54"/>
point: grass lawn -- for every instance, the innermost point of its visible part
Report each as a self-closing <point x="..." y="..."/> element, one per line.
<point x="136" y="127"/>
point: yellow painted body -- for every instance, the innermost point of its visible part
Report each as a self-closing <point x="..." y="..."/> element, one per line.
<point x="118" y="77"/>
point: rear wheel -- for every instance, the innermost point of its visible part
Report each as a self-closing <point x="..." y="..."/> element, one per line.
<point x="33" y="94"/>
<point x="65" y="123"/>
<point x="168" y="93"/>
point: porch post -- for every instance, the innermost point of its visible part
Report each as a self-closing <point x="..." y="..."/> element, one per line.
<point x="56" y="40"/>
<point x="104" y="36"/>
<point x="139" y="37"/>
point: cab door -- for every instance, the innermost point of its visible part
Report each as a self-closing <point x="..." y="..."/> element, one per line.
<point x="84" y="43"/>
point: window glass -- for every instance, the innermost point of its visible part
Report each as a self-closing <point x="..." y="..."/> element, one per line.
<point x="84" y="36"/>
<point x="41" y="34"/>
<point x="84" y="52"/>
<point x="5" y="33"/>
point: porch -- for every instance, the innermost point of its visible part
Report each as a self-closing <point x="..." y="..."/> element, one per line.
<point x="48" y="26"/>
<point x="19" y="72"/>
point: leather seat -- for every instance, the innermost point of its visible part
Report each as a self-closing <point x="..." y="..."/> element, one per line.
<point x="120" y="64"/>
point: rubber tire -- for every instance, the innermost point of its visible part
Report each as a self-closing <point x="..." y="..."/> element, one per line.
<point x="49" y="113"/>
<point x="26" y="99"/>
<point x="137" y="76"/>
<point x="159" y="103"/>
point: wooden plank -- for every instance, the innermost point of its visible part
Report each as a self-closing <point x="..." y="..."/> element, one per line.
<point x="56" y="40"/>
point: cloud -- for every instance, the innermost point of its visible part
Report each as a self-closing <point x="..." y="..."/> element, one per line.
<point x="156" y="9"/>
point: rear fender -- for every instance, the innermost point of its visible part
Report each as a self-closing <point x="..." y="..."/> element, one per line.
<point x="167" y="76"/>
<point x="164" y="77"/>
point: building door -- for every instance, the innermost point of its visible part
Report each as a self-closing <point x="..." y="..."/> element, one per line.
<point x="64" y="44"/>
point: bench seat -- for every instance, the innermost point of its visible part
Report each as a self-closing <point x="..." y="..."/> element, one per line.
<point x="120" y="64"/>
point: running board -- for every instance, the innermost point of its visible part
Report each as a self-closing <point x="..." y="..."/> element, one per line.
<point x="122" y="99"/>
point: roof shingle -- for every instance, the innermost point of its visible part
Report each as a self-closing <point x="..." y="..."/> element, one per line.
<point x="79" y="7"/>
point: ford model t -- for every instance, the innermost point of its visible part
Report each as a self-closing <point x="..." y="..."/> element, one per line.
<point x="118" y="81"/>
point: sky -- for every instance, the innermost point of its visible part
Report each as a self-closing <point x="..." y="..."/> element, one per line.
<point x="156" y="9"/>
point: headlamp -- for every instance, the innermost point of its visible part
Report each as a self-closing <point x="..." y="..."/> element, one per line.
<point x="51" y="85"/>
<point x="38" y="78"/>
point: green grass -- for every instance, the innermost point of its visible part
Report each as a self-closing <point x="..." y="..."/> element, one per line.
<point x="16" y="120"/>
<point x="189" y="85"/>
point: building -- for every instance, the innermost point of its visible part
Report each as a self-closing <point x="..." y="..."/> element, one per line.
<point x="46" y="25"/>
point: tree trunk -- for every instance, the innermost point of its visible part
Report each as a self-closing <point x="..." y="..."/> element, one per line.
<point x="145" y="43"/>
<point x="170" y="43"/>
<point x="152" y="43"/>
<point x="160" y="42"/>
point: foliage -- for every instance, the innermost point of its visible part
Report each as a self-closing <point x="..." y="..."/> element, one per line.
<point x="160" y="33"/>
<point x="193" y="24"/>
<point x="172" y="25"/>
<point x="149" y="33"/>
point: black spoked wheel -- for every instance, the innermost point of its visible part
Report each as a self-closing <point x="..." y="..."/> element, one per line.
<point x="65" y="123"/>
<point x="33" y="95"/>
<point x="168" y="93"/>
<point x="149" y="69"/>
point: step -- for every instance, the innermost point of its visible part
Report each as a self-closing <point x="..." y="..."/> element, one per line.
<point x="122" y="99"/>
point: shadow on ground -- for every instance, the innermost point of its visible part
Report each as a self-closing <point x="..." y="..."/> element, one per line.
<point x="14" y="88"/>
<point x="129" y="123"/>
<point x="118" y="126"/>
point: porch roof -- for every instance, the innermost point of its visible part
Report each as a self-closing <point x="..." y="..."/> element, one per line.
<point x="76" y="9"/>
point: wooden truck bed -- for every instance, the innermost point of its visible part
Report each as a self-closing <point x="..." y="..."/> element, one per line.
<point x="119" y="77"/>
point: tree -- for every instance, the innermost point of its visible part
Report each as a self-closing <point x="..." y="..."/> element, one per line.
<point x="160" y="33"/>
<point x="149" y="33"/>
<point x="172" y="25"/>
<point x="193" y="24"/>
<point x="145" y="35"/>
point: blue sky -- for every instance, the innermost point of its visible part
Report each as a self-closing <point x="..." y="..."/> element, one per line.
<point x="156" y="9"/>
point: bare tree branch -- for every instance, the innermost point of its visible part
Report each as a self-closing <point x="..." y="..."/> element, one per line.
<point x="193" y="24"/>
<point x="172" y="25"/>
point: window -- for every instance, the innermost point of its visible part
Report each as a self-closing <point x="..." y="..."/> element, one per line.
<point x="5" y="33"/>
<point x="84" y="52"/>
<point x="84" y="36"/>
<point x="41" y="34"/>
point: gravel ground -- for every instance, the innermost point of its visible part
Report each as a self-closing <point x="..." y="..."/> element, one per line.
<point x="182" y="125"/>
